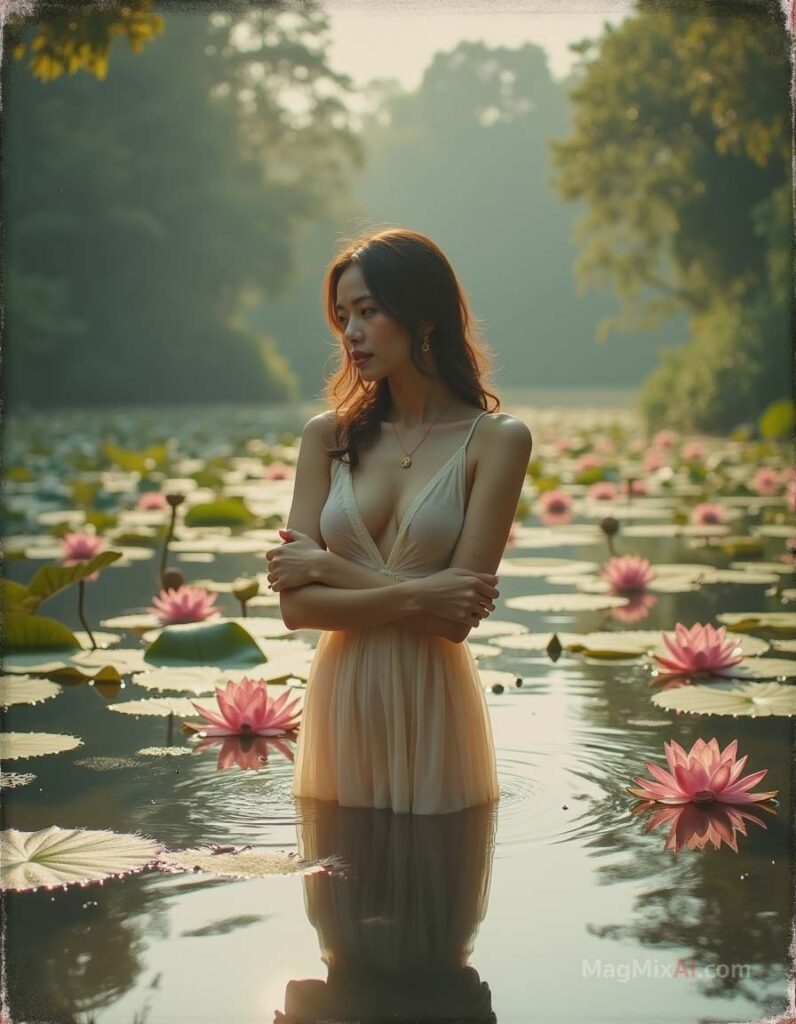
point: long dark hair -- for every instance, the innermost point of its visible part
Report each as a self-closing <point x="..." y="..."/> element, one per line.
<point x="411" y="279"/>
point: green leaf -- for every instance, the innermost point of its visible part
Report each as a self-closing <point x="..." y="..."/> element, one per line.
<point x="778" y="420"/>
<point x="225" y="644"/>
<point x="51" y="579"/>
<point x="225" y="512"/>
<point x="12" y="596"/>
<point x="35" y="632"/>
<point x="136" y="461"/>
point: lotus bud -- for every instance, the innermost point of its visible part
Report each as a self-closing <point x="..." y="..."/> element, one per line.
<point x="173" y="579"/>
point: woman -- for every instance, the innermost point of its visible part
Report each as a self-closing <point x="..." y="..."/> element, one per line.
<point x="404" y="495"/>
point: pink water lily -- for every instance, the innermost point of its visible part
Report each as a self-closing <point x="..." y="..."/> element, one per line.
<point x="766" y="481"/>
<point x="706" y="513"/>
<point x="790" y="496"/>
<point x="588" y="461"/>
<point x="703" y="775"/>
<point x="664" y="439"/>
<point x="278" y="471"/>
<point x="185" y="604"/>
<point x="246" y="708"/>
<point x="695" y="826"/>
<point x="652" y="460"/>
<point x="702" y="648"/>
<point x="81" y="547"/>
<point x="555" y="507"/>
<point x="152" y="501"/>
<point x="603" y="490"/>
<point x="692" y="451"/>
<point x="628" y="573"/>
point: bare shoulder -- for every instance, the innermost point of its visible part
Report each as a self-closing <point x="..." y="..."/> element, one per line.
<point x="499" y="428"/>
<point x="320" y="429"/>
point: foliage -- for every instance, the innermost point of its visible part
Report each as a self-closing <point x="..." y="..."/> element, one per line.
<point x="148" y="212"/>
<point x="80" y="37"/>
<point x="680" y="151"/>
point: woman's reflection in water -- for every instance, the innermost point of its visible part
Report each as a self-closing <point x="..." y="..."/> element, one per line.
<point x="397" y="930"/>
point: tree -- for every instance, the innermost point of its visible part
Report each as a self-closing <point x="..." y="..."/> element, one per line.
<point x="681" y="140"/>
<point x="140" y="227"/>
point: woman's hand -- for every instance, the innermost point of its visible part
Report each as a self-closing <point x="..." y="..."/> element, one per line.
<point x="294" y="563"/>
<point x="458" y="594"/>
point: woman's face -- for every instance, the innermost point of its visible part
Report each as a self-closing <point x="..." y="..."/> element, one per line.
<point x="367" y="328"/>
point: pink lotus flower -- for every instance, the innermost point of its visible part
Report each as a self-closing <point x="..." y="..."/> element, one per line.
<point x="692" y="451"/>
<point x="587" y="461"/>
<point x="152" y="501"/>
<point x="604" y="445"/>
<point x="790" y="496"/>
<point x="703" y="775"/>
<point x="652" y="461"/>
<point x="766" y="481"/>
<point x="247" y="752"/>
<point x="706" y="513"/>
<point x="603" y="490"/>
<point x="185" y="604"/>
<point x="81" y="547"/>
<point x="628" y="573"/>
<point x="246" y="708"/>
<point x="694" y="826"/>
<point x="664" y="439"/>
<point x="638" y="608"/>
<point x="635" y="487"/>
<point x="278" y="471"/>
<point x="700" y="649"/>
<point x="555" y="507"/>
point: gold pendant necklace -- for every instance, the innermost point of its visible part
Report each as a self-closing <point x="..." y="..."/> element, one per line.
<point x="406" y="461"/>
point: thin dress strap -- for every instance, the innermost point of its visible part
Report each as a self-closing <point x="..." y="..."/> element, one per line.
<point x="472" y="428"/>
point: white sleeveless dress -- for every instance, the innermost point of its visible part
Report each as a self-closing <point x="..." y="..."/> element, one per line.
<point x="394" y="718"/>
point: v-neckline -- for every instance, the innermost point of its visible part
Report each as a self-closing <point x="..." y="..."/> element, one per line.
<point x="406" y="516"/>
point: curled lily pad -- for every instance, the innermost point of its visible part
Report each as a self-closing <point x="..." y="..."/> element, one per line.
<point x="55" y="857"/>
<point x="243" y="863"/>
<point x="749" y="699"/>
<point x="565" y="602"/>
<point x="35" y="744"/>
<point x="215" y="643"/>
<point x="746" y="621"/>
<point x="25" y="690"/>
<point x="179" y="706"/>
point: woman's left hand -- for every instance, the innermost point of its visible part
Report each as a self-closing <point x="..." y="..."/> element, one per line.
<point x="294" y="563"/>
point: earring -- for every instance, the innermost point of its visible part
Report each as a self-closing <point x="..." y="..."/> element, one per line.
<point x="425" y="346"/>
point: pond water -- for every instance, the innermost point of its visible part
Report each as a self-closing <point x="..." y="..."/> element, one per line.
<point x="555" y="905"/>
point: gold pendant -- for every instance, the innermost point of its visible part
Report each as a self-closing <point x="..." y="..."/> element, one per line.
<point x="406" y="462"/>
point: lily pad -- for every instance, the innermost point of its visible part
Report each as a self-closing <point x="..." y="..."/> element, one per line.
<point x="25" y="690"/>
<point x="35" y="744"/>
<point x="159" y="706"/>
<point x="139" y="620"/>
<point x="24" y="632"/>
<point x="226" y="512"/>
<point x="196" y="679"/>
<point x="51" y="579"/>
<point x="748" y="699"/>
<point x="216" y="643"/>
<point x="244" y="863"/>
<point x="55" y="857"/>
<point x="565" y="602"/>
<point x="745" y="621"/>
<point x="526" y="641"/>
<point x="499" y="627"/>
<point x="543" y="567"/>
<point x="11" y="780"/>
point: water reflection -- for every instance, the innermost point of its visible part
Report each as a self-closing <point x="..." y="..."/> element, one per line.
<point x="396" y="932"/>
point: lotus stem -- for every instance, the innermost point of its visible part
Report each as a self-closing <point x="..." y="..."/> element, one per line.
<point x="244" y="613"/>
<point x="81" y="590"/>
<point x="165" y="552"/>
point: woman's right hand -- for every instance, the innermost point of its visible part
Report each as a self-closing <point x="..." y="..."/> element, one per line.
<point x="458" y="594"/>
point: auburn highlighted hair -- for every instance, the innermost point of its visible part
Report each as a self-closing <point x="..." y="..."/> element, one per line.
<point x="413" y="282"/>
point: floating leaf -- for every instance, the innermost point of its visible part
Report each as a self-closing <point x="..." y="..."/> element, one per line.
<point x="179" y="706"/>
<point x="192" y="679"/>
<point x="59" y="857"/>
<point x="25" y="690"/>
<point x="139" y="620"/>
<point x="244" y="863"/>
<point x="217" y="643"/>
<point x="35" y="744"/>
<point x="751" y="699"/>
<point x="226" y="512"/>
<point x="543" y="567"/>
<point x="36" y="632"/>
<point x="136" y="461"/>
<point x="565" y="602"/>
<point x="525" y="641"/>
<point x="744" y="621"/>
